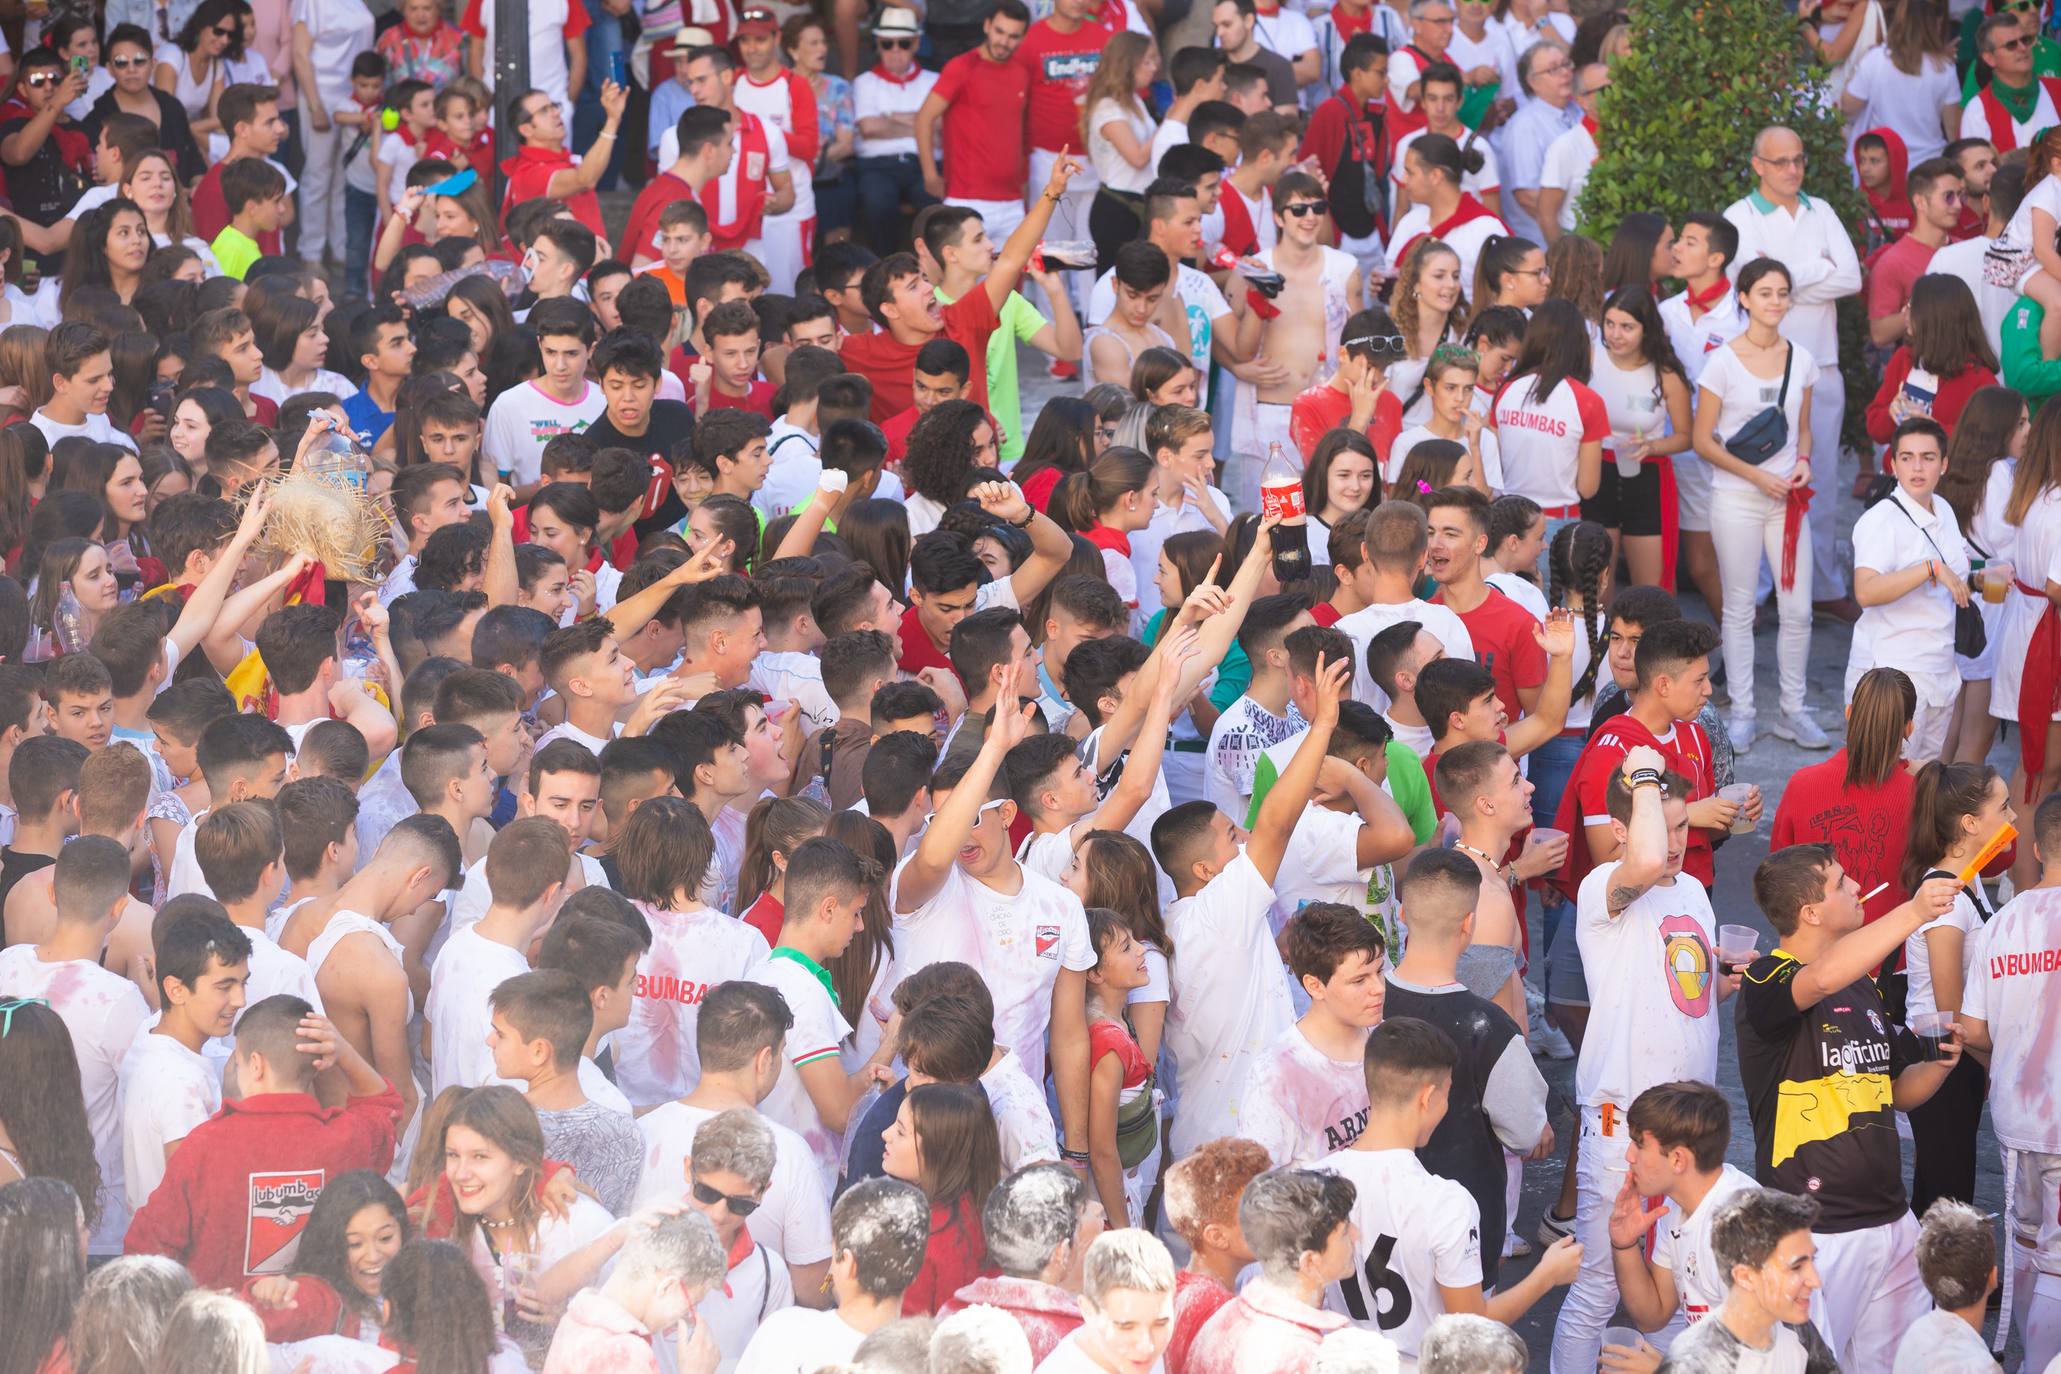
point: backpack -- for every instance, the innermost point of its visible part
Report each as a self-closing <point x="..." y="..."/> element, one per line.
<point x="1359" y="183"/>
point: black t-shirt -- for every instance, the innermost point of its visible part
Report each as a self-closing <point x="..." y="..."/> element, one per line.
<point x="670" y="426"/>
<point x="869" y="1152"/>
<point x="46" y="186"/>
<point x="1464" y="1148"/>
<point x="1818" y="1085"/>
<point x="14" y="866"/>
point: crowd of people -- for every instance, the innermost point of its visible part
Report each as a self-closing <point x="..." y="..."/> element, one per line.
<point x="584" y="791"/>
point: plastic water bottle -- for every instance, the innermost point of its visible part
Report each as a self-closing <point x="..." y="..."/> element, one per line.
<point x="1281" y="494"/>
<point x="340" y="457"/>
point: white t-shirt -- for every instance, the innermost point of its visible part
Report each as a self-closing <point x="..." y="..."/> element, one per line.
<point x="1962" y="916"/>
<point x="567" y="730"/>
<point x="819" y="1028"/>
<point x="273" y="387"/>
<point x="1682" y="1245"/>
<point x="1908" y="104"/>
<point x="1418" y="1233"/>
<point x="104" y="1013"/>
<point x="98" y="428"/>
<point x="794" y="1219"/>
<point x="1474" y="183"/>
<point x="1067" y="1357"/>
<point x="525" y="418"/>
<point x="786" y="675"/>
<point x="756" y="1287"/>
<point x="1300" y="1103"/>
<point x="1541" y="441"/>
<point x="1399" y="452"/>
<point x="691" y="951"/>
<point x="1230" y="999"/>
<point x="1322" y="864"/>
<point x="1915" y="632"/>
<point x="799" y="1340"/>
<point x="341" y="29"/>
<point x="1022" y="1118"/>
<point x="1940" y="1342"/>
<point x="1362" y="625"/>
<point x="1525" y="593"/>
<point x="1018" y="941"/>
<point x="166" y="1090"/>
<point x="1568" y="160"/>
<point x="1652" y="989"/>
<point x="1243" y="732"/>
<point x="874" y="94"/>
<point x="794" y="470"/>
<point x="1466" y="240"/>
<point x="2014" y="985"/>
<point x="1741" y="396"/>
<point x="460" y="1012"/>
<point x="1109" y="164"/>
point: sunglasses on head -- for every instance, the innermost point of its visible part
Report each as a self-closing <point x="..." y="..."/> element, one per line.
<point x="897" y="44"/>
<point x="13" y="1005"/>
<point x="709" y="1197"/>
<point x="1304" y="209"/>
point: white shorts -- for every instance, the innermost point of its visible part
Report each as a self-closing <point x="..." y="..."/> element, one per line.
<point x="999" y="216"/>
<point x="2036" y="1218"/>
<point x="1872" y="1292"/>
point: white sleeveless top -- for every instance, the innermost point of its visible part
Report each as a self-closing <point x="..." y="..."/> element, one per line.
<point x="1632" y="399"/>
<point x="353" y="923"/>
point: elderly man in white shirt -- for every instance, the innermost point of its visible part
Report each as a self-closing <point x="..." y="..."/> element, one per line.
<point x="1548" y="110"/>
<point x="1777" y="220"/>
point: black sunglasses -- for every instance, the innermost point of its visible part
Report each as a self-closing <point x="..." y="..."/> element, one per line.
<point x="1307" y="208"/>
<point x="709" y="1197"/>
<point x="896" y="43"/>
<point x="231" y="32"/>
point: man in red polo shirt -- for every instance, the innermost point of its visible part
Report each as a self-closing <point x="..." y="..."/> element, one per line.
<point x="251" y="115"/>
<point x="1062" y="54"/>
<point x="981" y="96"/>
<point x="705" y="152"/>
<point x="1504" y="633"/>
<point x="904" y="302"/>
<point x="543" y="166"/>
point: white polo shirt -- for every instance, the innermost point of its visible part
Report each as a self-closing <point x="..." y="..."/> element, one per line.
<point x="877" y="93"/>
<point x="1915" y="632"/>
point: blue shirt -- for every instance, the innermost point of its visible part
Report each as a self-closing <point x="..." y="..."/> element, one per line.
<point x="668" y="102"/>
<point x="1525" y="139"/>
<point x="366" y="416"/>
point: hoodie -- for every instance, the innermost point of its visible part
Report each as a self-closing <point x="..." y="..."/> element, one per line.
<point x="237" y="1194"/>
<point x="1889" y="208"/>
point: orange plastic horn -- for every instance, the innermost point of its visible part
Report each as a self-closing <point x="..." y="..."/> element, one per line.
<point x="2005" y="834"/>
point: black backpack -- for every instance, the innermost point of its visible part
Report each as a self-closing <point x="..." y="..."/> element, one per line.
<point x="1359" y="183"/>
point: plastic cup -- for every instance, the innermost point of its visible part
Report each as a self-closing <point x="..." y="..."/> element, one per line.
<point x="1739" y="793"/>
<point x="1737" y="946"/>
<point x="1932" y="1028"/>
<point x="1628" y="462"/>
<point x="518" y="1272"/>
<point x="1625" y="1336"/>
<point x="1996" y="583"/>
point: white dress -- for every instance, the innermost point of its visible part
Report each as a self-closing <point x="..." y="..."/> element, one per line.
<point x="2036" y="556"/>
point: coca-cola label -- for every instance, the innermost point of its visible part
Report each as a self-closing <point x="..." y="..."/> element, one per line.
<point x="1283" y="499"/>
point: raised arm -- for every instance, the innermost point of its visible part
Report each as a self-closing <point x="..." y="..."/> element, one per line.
<point x="1284" y="804"/>
<point x="204" y="607"/>
<point x="1134" y="785"/>
<point x="1645" y="850"/>
<point x="630" y="614"/>
<point x="1556" y="637"/>
<point x="1050" y="545"/>
<point x="1857" y="954"/>
<point x="498" y="580"/>
<point x="1016" y="253"/>
<point x="926" y="870"/>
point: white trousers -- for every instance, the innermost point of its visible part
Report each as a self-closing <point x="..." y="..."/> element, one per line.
<point x="321" y="192"/>
<point x="1872" y="1292"/>
<point x="1745" y="528"/>
<point x="1591" y="1301"/>
<point x="1828" y="413"/>
<point x="1000" y="217"/>
<point x="1069" y="221"/>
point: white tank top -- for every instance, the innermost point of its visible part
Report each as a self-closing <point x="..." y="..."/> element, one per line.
<point x="353" y="923"/>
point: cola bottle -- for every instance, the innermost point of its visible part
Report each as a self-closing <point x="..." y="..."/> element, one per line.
<point x="1281" y="494"/>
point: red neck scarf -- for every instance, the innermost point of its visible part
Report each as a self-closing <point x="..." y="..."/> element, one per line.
<point x="1589" y="123"/>
<point x="1103" y="537"/>
<point x="1348" y="25"/>
<point x="2039" y="688"/>
<point x="1466" y="212"/>
<point x="891" y="79"/>
<point x="1704" y="301"/>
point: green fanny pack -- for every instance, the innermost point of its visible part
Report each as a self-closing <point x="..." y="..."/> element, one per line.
<point x="1137" y="1125"/>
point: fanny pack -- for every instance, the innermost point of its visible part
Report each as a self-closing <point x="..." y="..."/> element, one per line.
<point x="1767" y="433"/>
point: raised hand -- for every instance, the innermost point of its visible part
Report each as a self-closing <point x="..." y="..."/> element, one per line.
<point x="1556" y="636"/>
<point x="318" y="1040"/>
<point x="1334" y="684"/>
<point x="1630" y="1218"/>
<point x="1003" y="500"/>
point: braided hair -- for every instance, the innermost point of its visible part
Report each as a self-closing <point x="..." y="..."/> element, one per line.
<point x="1576" y="561"/>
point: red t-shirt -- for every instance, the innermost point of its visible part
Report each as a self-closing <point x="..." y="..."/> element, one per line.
<point x="891" y="366"/>
<point x="1895" y="272"/>
<point x="1196" y="1299"/>
<point x="211" y="212"/>
<point x="1952" y="398"/>
<point x="264" y="410"/>
<point x="953" y="1259"/>
<point x="1324" y="613"/>
<point x="529" y="175"/>
<point x="1867" y="827"/>
<point x="640" y="232"/>
<point x="757" y="398"/>
<point x="1324" y="408"/>
<point x="983" y="126"/>
<point x="896" y="432"/>
<point x="1060" y="66"/>
<point x="765" y="916"/>
<point x="1686" y="751"/>
<point x="1503" y="643"/>
<point x="918" y="652"/>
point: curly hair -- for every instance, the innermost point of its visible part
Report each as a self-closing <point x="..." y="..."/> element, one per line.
<point x="42" y="1105"/>
<point x="939" y="463"/>
<point x="1405" y="310"/>
<point x="1578" y="559"/>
